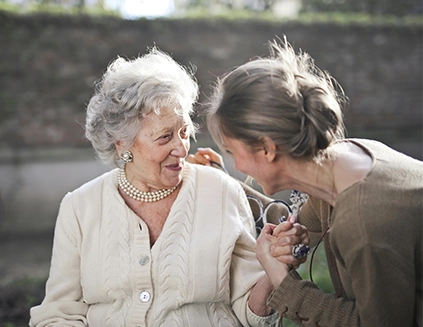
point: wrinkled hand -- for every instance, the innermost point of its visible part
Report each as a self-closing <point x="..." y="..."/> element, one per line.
<point x="288" y="234"/>
<point x="275" y="269"/>
<point x="203" y="156"/>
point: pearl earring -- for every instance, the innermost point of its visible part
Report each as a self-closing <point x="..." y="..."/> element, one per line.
<point x="126" y="156"/>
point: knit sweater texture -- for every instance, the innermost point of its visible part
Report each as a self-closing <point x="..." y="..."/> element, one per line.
<point x="373" y="248"/>
<point x="198" y="273"/>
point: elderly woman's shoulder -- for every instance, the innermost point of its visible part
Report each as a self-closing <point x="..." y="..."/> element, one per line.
<point x="207" y="170"/>
<point x="212" y="174"/>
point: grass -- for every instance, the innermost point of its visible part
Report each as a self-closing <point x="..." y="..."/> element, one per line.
<point x="17" y="298"/>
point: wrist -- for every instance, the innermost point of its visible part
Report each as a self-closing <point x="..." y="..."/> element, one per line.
<point x="257" y="301"/>
<point x="277" y="276"/>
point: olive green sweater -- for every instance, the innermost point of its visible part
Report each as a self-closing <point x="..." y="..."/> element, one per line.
<point x="373" y="249"/>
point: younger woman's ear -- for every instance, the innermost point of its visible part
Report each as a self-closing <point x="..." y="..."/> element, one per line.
<point x="269" y="148"/>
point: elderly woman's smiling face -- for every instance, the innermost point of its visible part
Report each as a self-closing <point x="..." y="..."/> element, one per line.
<point x="159" y="151"/>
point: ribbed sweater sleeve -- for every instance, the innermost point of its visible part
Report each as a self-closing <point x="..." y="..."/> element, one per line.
<point x="304" y="303"/>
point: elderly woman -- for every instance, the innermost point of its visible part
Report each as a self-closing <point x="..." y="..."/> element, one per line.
<point x="158" y="241"/>
<point x="281" y="120"/>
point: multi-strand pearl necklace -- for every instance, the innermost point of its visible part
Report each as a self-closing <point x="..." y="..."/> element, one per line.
<point x="138" y="195"/>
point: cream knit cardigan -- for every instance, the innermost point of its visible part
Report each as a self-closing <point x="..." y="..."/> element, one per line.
<point x="198" y="273"/>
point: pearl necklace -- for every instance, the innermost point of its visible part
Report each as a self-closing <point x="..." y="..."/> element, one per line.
<point x="138" y="195"/>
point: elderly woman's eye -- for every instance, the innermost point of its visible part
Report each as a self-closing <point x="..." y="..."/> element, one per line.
<point x="184" y="132"/>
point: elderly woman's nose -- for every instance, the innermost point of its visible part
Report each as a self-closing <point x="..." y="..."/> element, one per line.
<point x="181" y="147"/>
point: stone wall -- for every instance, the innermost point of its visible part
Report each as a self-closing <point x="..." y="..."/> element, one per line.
<point x="48" y="66"/>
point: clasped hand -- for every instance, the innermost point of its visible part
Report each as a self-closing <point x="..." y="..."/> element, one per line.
<point x="274" y="248"/>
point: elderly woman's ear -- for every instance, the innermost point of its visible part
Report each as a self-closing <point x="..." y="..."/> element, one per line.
<point x="119" y="147"/>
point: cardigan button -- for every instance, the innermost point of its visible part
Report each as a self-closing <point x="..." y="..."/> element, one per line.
<point x="145" y="296"/>
<point x="144" y="260"/>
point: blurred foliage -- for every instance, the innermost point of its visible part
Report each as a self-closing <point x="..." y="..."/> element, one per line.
<point x="239" y="14"/>
<point x="371" y="7"/>
<point x="56" y="8"/>
<point x="311" y="10"/>
<point x="338" y="18"/>
<point x="251" y="5"/>
<point x="361" y="19"/>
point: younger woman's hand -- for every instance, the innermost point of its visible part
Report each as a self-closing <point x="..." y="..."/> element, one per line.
<point x="203" y="156"/>
<point x="275" y="269"/>
<point x="289" y="234"/>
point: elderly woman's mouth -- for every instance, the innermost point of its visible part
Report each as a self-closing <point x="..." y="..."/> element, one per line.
<point x="175" y="167"/>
